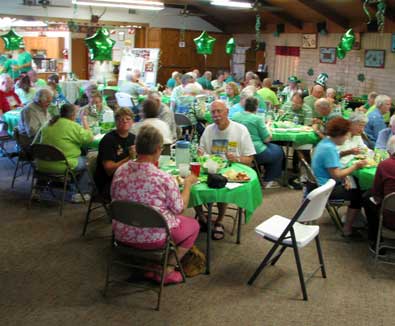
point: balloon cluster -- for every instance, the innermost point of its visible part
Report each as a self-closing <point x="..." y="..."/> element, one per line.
<point x="346" y="43"/>
<point x="12" y="40"/>
<point x="204" y="43"/>
<point x="230" y="46"/>
<point x="100" y="45"/>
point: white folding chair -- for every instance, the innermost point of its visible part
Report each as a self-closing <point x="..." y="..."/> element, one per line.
<point x="124" y="100"/>
<point x="291" y="233"/>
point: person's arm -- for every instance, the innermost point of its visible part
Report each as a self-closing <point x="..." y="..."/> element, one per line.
<point x="352" y="151"/>
<point x="337" y="173"/>
<point x="110" y="166"/>
<point x="263" y="132"/>
<point x="378" y="185"/>
<point x="382" y="138"/>
<point x="189" y="181"/>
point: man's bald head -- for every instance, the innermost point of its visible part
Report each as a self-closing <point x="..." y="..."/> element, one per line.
<point x="318" y="91"/>
<point x="267" y="82"/>
<point x="322" y="106"/>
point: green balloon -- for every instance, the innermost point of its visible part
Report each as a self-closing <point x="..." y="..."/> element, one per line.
<point x="204" y="43"/>
<point x="348" y="40"/>
<point x="230" y="46"/>
<point x="340" y="52"/>
<point x="100" y="45"/>
<point x="12" y="40"/>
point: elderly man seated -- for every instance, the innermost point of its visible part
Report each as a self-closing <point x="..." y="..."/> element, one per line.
<point x="36" y="114"/>
<point x="316" y="93"/>
<point x="385" y="134"/>
<point x="384" y="184"/>
<point x="133" y="85"/>
<point x="267" y="94"/>
<point x="376" y="121"/>
<point x="296" y="111"/>
<point x="150" y="111"/>
<point x="9" y="100"/>
<point x="322" y="114"/>
<point x="354" y="143"/>
<point x="64" y="133"/>
<point x="115" y="149"/>
<point x="174" y="80"/>
<point x="219" y="83"/>
<point x="95" y="110"/>
<point x="205" y="80"/>
<point x="179" y="90"/>
<point x="230" y="140"/>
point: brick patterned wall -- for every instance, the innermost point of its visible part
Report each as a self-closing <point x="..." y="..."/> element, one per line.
<point x="344" y="73"/>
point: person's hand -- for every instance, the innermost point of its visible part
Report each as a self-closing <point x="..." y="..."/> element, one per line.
<point x="200" y="151"/>
<point x="355" y="150"/>
<point x="361" y="164"/>
<point x="132" y="152"/>
<point x="190" y="180"/>
<point x="232" y="157"/>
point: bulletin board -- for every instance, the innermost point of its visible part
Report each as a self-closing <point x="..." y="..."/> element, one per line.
<point x="146" y="60"/>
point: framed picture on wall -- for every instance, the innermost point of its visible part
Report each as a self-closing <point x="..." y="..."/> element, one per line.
<point x="393" y="42"/>
<point x="374" y="58"/>
<point x="328" y="55"/>
<point x="309" y="41"/>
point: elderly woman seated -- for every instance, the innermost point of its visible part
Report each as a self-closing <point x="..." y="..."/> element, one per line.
<point x="385" y="134"/>
<point x="232" y="93"/>
<point x="95" y="110"/>
<point x="9" y="100"/>
<point x="67" y="135"/>
<point x="25" y="90"/>
<point x="384" y="184"/>
<point x="326" y="165"/>
<point x="269" y="155"/>
<point x="354" y="143"/>
<point x="141" y="181"/>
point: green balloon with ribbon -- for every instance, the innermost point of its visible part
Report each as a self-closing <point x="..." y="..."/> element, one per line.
<point x="230" y="46"/>
<point x="12" y="40"/>
<point x="346" y="43"/>
<point x="100" y="45"/>
<point x="204" y="43"/>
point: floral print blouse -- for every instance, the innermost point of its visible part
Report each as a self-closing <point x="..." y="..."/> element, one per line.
<point x="144" y="183"/>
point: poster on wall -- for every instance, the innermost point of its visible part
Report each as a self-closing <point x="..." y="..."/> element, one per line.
<point x="328" y="55"/>
<point x="146" y="60"/>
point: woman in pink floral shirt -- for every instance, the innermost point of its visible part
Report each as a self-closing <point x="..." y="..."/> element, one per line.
<point x="141" y="181"/>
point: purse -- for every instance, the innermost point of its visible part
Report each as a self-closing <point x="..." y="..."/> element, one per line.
<point x="216" y="180"/>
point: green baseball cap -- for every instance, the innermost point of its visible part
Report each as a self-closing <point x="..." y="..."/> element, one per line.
<point x="293" y="79"/>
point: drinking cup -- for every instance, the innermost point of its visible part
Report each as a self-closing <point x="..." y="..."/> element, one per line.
<point x="195" y="168"/>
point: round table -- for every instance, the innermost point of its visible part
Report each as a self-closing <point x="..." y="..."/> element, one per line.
<point x="297" y="137"/>
<point x="12" y="119"/>
<point x="365" y="177"/>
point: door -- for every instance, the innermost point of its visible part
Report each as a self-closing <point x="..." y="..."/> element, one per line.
<point x="79" y="58"/>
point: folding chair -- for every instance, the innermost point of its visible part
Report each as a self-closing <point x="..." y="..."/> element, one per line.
<point x="183" y="122"/>
<point x="51" y="153"/>
<point x="98" y="200"/>
<point x="385" y="236"/>
<point x="5" y="138"/>
<point x="332" y="206"/>
<point x="257" y="168"/>
<point x="109" y="96"/>
<point x="125" y="100"/>
<point x="290" y="233"/>
<point x="24" y="154"/>
<point x="140" y="216"/>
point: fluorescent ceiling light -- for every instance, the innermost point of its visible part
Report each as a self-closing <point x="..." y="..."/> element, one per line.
<point x="129" y="4"/>
<point x="232" y="4"/>
<point x="28" y="23"/>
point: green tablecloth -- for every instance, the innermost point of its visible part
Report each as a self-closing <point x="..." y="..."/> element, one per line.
<point x="12" y="119"/>
<point x="299" y="138"/>
<point x="101" y="87"/>
<point x="248" y="196"/>
<point x="365" y="177"/>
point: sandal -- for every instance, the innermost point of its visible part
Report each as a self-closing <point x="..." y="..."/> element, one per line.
<point x="218" y="230"/>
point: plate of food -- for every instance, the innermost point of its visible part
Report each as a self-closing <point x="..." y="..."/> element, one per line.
<point x="206" y="160"/>
<point x="234" y="176"/>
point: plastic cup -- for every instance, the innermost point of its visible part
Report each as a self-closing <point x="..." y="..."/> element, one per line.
<point x="184" y="170"/>
<point x="195" y="168"/>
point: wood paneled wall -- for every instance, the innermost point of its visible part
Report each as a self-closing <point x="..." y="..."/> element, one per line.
<point x="172" y="57"/>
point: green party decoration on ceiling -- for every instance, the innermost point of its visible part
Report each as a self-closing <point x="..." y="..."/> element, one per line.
<point x="310" y="72"/>
<point x="12" y="40"/>
<point x="361" y="78"/>
<point x="346" y="43"/>
<point x="204" y="43"/>
<point x="100" y="45"/>
<point x="380" y="12"/>
<point x="230" y="46"/>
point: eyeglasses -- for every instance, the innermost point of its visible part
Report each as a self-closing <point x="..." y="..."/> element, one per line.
<point x="123" y="119"/>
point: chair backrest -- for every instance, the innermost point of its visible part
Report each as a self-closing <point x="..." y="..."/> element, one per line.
<point x="109" y="92"/>
<point x="316" y="202"/>
<point x="23" y="140"/>
<point x="124" y="100"/>
<point x="388" y="203"/>
<point x="182" y="120"/>
<point x="3" y="128"/>
<point x="46" y="152"/>
<point x="137" y="215"/>
<point x="309" y="171"/>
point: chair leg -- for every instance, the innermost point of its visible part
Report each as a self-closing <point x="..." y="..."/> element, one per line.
<point x="320" y="256"/>
<point x="29" y="171"/>
<point x="300" y="270"/>
<point x="88" y="213"/>
<point x="239" y="217"/>
<point x="64" y="194"/>
<point x="333" y="213"/>
<point x="263" y="264"/>
<point x="162" y="281"/>
<point x="179" y="265"/>
<point x="274" y="261"/>
<point x="15" y="172"/>
<point x="32" y="186"/>
<point x="107" y="280"/>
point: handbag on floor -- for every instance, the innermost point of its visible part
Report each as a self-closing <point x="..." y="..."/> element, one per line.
<point x="194" y="262"/>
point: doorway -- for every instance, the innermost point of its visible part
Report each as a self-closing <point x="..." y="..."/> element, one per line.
<point x="79" y="57"/>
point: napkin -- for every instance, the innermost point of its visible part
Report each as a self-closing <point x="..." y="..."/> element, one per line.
<point x="233" y="185"/>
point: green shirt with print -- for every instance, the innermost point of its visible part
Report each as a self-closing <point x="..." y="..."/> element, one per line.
<point x="7" y="67"/>
<point x="304" y="114"/>
<point x="268" y="95"/>
<point x="23" y="58"/>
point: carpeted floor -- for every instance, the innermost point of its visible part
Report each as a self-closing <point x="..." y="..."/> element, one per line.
<point x="49" y="275"/>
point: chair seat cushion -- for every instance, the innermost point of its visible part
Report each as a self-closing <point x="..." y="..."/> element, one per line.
<point x="274" y="227"/>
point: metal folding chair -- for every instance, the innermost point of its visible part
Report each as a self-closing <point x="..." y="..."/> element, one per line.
<point x="5" y="138"/>
<point x="290" y="233"/>
<point x="140" y="216"/>
<point x="24" y="155"/>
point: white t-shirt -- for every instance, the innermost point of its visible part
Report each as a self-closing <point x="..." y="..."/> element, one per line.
<point x="353" y="142"/>
<point x="162" y="126"/>
<point x="235" y="139"/>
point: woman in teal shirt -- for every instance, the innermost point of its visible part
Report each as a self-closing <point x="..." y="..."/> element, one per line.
<point x="269" y="155"/>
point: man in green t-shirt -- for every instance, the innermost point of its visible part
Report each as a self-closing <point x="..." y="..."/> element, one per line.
<point x="267" y="94"/>
<point x="9" y="66"/>
<point x="296" y="111"/>
<point x="316" y="93"/>
<point x="24" y="59"/>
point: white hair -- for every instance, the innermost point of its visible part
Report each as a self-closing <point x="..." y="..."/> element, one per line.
<point x="392" y="120"/>
<point x="322" y="103"/>
<point x="43" y="94"/>
<point x="330" y="91"/>
<point x="380" y="100"/>
<point x="174" y="74"/>
<point x="192" y="88"/>
<point x="391" y="145"/>
<point x="358" y="117"/>
<point x="248" y="91"/>
<point x="192" y="74"/>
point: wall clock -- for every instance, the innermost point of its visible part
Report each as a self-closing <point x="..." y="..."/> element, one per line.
<point x="309" y="41"/>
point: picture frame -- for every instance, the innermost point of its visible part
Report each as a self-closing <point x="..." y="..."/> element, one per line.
<point x="374" y="59"/>
<point x="393" y="43"/>
<point x="328" y="55"/>
<point x="309" y="41"/>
